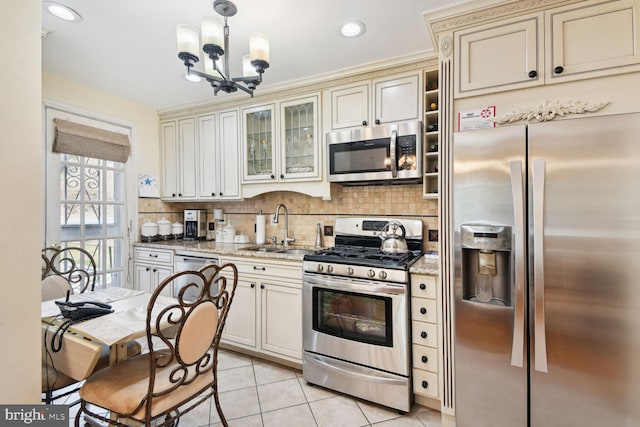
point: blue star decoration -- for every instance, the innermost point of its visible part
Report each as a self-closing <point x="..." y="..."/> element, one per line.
<point x="147" y="181"/>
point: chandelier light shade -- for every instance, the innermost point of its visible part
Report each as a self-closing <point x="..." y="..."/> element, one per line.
<point x="215" y="45"/>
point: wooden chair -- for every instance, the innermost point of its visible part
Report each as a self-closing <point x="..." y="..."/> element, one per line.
<point x="176" y="375"/>
<point x="74" y="264"/>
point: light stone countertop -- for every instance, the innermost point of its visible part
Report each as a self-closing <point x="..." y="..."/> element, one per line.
<point x="222" y="249"/>
<point x="422" y="266"/>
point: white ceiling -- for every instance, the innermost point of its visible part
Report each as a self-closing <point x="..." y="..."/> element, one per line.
<point x="128" y="47"/>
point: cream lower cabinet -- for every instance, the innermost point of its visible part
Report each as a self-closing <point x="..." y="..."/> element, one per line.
<point x="152" y="266"/>
<point x="266" y="313"/>
<point x="425" y="335"/>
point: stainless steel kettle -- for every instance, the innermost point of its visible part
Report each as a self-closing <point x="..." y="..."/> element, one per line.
<point x="393" y="242"/>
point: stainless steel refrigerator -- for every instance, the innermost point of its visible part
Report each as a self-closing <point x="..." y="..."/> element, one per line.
<point x="546" y="221"/>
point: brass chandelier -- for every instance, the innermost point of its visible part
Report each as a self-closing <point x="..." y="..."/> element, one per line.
<point x="215" y="44"/>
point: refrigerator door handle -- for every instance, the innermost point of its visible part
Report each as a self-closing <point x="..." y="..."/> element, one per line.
<point x="517" y="191"/>
<point x="540" y="341"/>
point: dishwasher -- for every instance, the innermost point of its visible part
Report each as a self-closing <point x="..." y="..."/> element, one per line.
<point x="185" y="261"/>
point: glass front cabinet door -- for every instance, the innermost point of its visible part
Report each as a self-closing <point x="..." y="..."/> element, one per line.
<point x="282" y="144"/>
<point x="299" y="155"/>
<point x="259" y="130"/>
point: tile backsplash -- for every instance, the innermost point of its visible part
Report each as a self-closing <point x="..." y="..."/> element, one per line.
<point x="305" y="212"/>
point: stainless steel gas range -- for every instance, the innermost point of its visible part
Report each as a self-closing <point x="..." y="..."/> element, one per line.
<point x="355" y="297"/>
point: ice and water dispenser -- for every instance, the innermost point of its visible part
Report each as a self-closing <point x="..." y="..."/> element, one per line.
<point x="486" y="263"/>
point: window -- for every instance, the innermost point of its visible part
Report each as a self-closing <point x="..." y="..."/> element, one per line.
<point x="87" y="206"/>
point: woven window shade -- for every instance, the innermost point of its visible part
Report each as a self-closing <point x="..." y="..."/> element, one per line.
<point x="87" y="141"/>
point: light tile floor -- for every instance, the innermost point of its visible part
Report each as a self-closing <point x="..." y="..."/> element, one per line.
<point x="257" y="393"/>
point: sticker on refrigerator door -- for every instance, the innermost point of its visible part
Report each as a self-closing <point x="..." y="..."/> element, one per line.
<point x="482" y="118"/>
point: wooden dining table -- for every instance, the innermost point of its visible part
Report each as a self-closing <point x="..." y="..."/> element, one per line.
<point x="127" y="322"/>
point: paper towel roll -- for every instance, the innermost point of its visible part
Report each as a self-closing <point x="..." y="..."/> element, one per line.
<point x="260" y="228"/>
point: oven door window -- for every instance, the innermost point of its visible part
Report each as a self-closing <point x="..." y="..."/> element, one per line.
<point x="360" y="157"/>
<point x="353" y="316"/>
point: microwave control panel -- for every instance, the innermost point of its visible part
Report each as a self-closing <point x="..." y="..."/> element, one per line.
<point x="406" y="148"/>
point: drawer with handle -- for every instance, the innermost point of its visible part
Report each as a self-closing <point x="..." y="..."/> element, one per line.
<point x="424" y="310"/>
<point x="424" y="334"/>
<point x="425" y="358"/>
<point x="425" y="383"/>
<point x="153" y="255"/>
<point x="423" y="286"/>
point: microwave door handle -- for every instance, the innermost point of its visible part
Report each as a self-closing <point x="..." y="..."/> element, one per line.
<point x="392" y="148"/>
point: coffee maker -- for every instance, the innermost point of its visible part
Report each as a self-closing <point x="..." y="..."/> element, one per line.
<point x="195" y="224"/>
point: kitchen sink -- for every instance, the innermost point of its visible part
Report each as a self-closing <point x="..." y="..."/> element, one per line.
<point x="261" y="249"/>
<point x="296" y="251"/>
<point x="279" y="250"/>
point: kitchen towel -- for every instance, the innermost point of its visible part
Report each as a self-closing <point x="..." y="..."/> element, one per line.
<point x="260" y="228"/>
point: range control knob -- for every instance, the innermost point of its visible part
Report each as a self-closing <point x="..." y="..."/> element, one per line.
<point x="320" y="268"/>
<point x="350" y="271"/>
<point x="329" y="269"/>
<point x="371" y="273"/>
<point x="382" y="275"/>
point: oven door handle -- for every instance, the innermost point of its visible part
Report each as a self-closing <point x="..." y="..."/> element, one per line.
<point x="370" y="376"/>
<point x="342" y="284"/>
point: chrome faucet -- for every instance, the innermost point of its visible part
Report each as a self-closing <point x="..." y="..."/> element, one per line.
<point x="287" y="239"/>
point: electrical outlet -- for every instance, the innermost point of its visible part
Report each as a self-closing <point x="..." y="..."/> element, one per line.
<point x="328" y="230"/>
<point x="433" y="235"/>
<point x="212" y="226"/>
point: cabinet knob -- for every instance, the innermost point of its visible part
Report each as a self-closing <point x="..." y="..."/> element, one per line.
<point x="558" y="70"/>
<point x="179" y="194"/>
<point x="147" y="269"/>
<point x="173" y="194"/>
<point x="281" y="176"/>
<point x="273" y="176"/>
<point x="377" y="121"/>
<point x="155" y="270"/>
<point x="424" y="359"/>
<point x="423" y="334"/>
<point x="261" y="286"/>
<point x="253" y="285"/>
<point x="423" y="310"/>
<point x="221" y="193"/>
<point x="364" y="123"/>
<point x="533" y="74"/>
<point x="423" y="286"/>
<point x="425" y="384"/>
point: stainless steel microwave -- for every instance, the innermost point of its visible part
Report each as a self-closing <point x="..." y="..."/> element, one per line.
<point x="387" y="153"/>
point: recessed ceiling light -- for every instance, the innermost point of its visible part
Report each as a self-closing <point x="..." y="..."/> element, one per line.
<point x="61" y="11"/>
<point x="352" y="29"/>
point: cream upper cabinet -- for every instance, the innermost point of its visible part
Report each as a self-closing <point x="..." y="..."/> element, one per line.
<point x="178" y="159"/>
<point x="281" y="142"/>
<point x="219" y="156"/>
<point x="259" y="131"/>
<point x="397" y="99"/>
<point x="350" y="106"/>
<point x="299" y="143"/>
<point x="583" y="40"/>
<point x="592" y="39"/>
<point x="370" y="103"/>
<point x="499" y="56"/>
